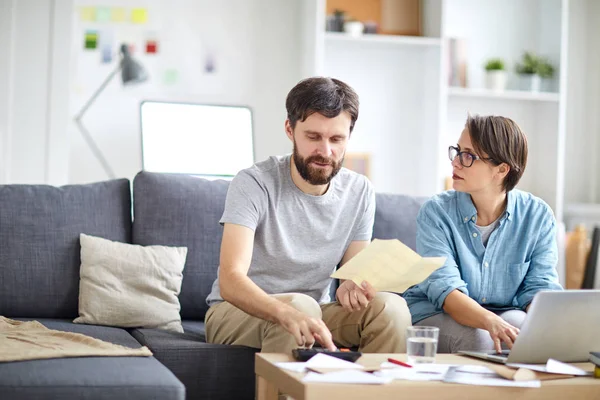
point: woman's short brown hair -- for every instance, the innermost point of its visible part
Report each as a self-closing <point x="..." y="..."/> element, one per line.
<point x="326" y="96"/>
<point x="502" y="141"/>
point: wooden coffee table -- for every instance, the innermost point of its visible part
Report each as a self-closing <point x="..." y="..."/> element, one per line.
<point x="272" y="381"/>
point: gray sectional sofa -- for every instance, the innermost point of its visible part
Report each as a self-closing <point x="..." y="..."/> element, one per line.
<point x="39" y="279"/>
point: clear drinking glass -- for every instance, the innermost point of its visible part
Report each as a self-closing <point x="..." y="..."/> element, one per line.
<point x="421" y="344"/>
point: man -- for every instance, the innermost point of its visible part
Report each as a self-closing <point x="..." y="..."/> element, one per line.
<point x="287" y="223"/>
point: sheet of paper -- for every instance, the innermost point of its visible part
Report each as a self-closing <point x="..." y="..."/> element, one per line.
<point x="419" y="372"/>
<point x="292" y="366"/>
<point x="388" y="265"/>
<point x="552" y="367"/>
<point x="323" y="361"/>
<point x="348" y="376"/>
<point x="475" y="375"/>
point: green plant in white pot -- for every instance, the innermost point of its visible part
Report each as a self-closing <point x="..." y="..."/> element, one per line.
<point x="532" y="69"/>
<point x="495" y="74"/>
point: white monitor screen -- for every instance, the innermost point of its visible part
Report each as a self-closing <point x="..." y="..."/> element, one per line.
<point x="196" y="139"/>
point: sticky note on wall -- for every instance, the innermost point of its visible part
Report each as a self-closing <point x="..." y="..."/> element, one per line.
<point x="91" y="40"/>
<point x="117" y="14"/>
<point x="139" y="16"/>
<point x="103" y="14"/>
<point x="151" y="46"/>
<point x="87" y="13"/>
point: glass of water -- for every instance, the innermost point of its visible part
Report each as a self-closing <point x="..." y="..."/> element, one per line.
<point x="421" y="344"/>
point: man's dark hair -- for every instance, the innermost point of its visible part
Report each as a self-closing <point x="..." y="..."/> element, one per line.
<point x="503" y="142"/>
<point x="326" y="96"/>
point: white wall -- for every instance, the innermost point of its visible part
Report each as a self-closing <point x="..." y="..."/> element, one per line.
<point x="6" y="34"/>
<point x="583" y="122"/>
<point x="33" y="100"/>
<point x="258" y="61"/>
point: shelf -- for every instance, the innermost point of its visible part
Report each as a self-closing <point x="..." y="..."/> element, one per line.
<point x="507" y="94"/>
<point x="335" y="37"/>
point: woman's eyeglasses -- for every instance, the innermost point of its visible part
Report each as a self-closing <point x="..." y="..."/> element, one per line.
<point x="466" y="159"/>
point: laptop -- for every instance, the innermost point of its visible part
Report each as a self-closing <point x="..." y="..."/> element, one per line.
<point x="563" y="325"/>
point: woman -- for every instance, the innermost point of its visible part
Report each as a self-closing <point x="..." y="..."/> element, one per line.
<point x="500" y="243"/>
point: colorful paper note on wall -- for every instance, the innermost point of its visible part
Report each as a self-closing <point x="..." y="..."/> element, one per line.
<point x="91" y="40"/>
<point x="139" y="16"/>
<point x="106" y="41"/>
<point x="87" y="13"/>
<point x="170" y="76"/>
<point x="151" y="46"/>
<point x="103" y="14"/>
<point x="117" y="14"/>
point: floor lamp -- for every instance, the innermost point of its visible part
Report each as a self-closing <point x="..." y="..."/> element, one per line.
<point x="131" y="72"/>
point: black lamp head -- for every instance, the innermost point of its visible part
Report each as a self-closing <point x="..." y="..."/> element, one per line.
<point x="131" y="70"/>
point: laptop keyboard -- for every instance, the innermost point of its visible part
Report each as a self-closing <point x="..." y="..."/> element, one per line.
<point x="504" y="353"/>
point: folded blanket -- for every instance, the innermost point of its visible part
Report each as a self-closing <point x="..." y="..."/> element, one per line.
<point x="31" y="340"/>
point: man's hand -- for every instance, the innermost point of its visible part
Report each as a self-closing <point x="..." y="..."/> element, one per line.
<point x="353" y="297"/>
<point x="305" y="329"/>
<point x="501" y="331"/>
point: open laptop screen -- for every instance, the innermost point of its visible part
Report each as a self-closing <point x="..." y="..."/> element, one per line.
<point x="198" y="139"/>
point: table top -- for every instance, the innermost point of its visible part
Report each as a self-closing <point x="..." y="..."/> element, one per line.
<point x="290" y="382"/>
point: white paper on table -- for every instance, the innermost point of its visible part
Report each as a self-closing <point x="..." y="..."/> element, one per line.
<point x="552" y="367"/>
<point x="292" y="366"/>
<point x="419" y="372"/>
<point x="348" y="376"/>
<point x="389" y="266"/>
<point x="323" y="361"/>
<point x="470" y="376"/>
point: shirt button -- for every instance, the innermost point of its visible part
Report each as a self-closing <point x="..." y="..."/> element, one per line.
<point x="483" y="300"/>
<point x="474" y="235"/>
<point x="485" y="264"/>
<point x="466" y="219"/>
<point x="473" y="218"/>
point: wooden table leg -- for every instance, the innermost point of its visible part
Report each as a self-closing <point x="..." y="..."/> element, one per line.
<point x="266" y="390"/>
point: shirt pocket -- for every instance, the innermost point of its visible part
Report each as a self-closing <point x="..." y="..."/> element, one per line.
<point x="512" y="280"/>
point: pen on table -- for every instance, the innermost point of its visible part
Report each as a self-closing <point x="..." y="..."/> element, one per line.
<point x="398" y="362"/>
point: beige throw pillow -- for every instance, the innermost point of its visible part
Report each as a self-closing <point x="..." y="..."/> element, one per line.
<point x="130" y="286"/>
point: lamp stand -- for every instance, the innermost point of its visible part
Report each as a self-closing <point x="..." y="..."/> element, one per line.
<point x="86" y="134"/>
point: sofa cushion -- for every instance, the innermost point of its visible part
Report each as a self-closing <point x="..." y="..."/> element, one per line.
<point x="39" y="242"/>
<point x="208" y="371"/>
<point x="90" y="377"/>
<point x="197" y="328"/>
<point x="129" y="285"/>
<point x="396" y="217"/>
<point x="182" y="210"/>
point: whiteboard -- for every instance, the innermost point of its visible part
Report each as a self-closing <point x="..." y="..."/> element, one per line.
<point x="197" y="139"/>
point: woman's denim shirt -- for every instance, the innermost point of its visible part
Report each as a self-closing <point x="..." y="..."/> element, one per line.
<point x="519" y="260"/>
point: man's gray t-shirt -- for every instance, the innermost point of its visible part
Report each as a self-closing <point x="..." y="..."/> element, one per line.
<point x="299" y="238"/>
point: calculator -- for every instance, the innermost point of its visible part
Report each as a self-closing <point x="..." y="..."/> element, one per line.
<point x="306" y="354"/>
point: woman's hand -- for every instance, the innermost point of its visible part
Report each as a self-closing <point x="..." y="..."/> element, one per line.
<point x="501" y="331"/>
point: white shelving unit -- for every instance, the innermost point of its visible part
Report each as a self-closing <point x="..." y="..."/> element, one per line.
<point x="503" y="95"/>
<point x="410" y="115"/>
<point x="392" y="40"/>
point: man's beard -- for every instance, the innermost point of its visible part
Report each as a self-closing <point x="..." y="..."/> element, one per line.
<point x="315" y="175"/>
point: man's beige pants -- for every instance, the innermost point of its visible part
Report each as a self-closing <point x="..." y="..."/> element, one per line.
<point x="379" y="328"/>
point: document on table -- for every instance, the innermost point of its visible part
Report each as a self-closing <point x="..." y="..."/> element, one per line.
<point x="552" y="367"/>
<point x="320" y="363"/>
<point x="389" y="266"/>
<point x="418" y="372"/>
<point x="483" y="376"/>
<point x="347" y="376"/>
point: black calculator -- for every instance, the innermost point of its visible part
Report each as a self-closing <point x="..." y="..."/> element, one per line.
<point x="307" y="354"/>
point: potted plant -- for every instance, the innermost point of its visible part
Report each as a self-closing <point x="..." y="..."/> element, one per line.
<point x="495" y="78"/>
<point x="545" y="71"/>
<point x="532" y="69"/>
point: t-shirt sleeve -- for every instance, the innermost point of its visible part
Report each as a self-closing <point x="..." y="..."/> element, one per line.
<point x="246" y="201"/>
<point x="365" y="225"/>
